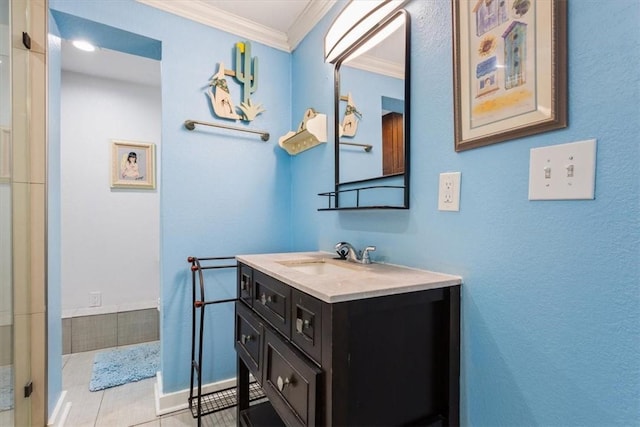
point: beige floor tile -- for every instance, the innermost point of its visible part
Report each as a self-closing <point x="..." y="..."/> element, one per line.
<point x="128" y="404"/>
<point x="84" y="405"/>
<point x="154" y="423"/>
<point x="131" y="404"/>
<point x="77" y="370"/>
<point x="226" y="418"/>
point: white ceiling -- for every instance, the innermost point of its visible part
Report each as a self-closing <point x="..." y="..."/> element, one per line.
<point x="111" y="64"/>
<point x="281" y="24"/>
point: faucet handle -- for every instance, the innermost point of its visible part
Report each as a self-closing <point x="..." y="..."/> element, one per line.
<point x="342" y="249"/>
<point x="365" y="254"/>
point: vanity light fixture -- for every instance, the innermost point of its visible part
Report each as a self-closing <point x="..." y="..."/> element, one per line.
<point x="390" y="27"/>
<point x="84" y="45"/>
<point x="356" y="20"/>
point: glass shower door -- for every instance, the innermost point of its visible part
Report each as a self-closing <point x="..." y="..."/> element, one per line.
<point x="6" y="288"/>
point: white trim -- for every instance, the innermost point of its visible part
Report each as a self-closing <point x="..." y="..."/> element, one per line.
<point x="310" y="16"/>
<point x="178" y="400"/>
<point x="53" y="420"/>
<point x="206" y="14"/>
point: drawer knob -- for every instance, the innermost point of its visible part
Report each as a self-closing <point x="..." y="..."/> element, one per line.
<point x="264" y="299"/>
<point x="302" y="325"/>
<point x="282" y="383"/>
<point x="245" y="338"/>
<point x="244" y="284"/>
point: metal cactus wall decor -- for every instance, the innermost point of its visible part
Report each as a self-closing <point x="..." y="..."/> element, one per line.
<point x="246" y="69"/>
<point x="246" y="73"/>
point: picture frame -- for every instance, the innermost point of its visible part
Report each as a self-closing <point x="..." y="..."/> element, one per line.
<point x="509" y="69"/>
<point x="132" y="165"/>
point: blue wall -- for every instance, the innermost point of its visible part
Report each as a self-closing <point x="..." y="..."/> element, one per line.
<point x="222" y="192"/>
<point x="550" y="303"/>
<point x="551" y="294"/>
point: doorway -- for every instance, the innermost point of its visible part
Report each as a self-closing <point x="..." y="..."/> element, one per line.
<point x="107" y="282"/>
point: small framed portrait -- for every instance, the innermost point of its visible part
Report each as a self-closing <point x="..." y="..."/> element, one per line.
<point x="132" y="165"/>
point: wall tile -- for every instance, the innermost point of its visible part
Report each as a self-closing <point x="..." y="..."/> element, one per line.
<point x="37" y="131"/>
<point x="66" y="336"/>
<point x="94" y="332"/>
<point x="22" y="367"/>
<point x="6" y="336"/>
<point x="21" y="250"/>
<point x="37" y="237"/>
<point x="38" y="369"/>
<point x="138" y="326"/>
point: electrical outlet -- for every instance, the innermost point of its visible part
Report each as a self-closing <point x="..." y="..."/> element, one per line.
<point x="449" y="192"/>
<point x="95" y="299"/>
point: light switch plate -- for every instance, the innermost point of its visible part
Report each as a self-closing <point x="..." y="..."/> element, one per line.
<point x="563" y="172"/>
<point x="449" y="191"/>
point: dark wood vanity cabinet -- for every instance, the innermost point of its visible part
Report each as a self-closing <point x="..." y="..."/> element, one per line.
<point x="384" y="361"/>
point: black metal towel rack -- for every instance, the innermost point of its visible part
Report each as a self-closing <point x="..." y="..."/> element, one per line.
<point x="199" y="403"/>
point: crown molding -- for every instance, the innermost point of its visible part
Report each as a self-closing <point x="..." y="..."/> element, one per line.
<point x="307" y="20"/>
<point x="204" y="13"/>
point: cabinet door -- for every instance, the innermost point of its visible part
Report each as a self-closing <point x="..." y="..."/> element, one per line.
<point x="291" y="382"/>
<point x="245" y="283"/>
<point x="271" y="299"/>
<point x="306" y="318"/>
<point x="248" y="339"/>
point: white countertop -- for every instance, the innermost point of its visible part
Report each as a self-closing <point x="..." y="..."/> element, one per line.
<point x="348" y="280"/>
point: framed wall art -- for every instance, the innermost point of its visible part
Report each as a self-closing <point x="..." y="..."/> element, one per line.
<point x="509" y="67"/>
<point x="132" y="165"/>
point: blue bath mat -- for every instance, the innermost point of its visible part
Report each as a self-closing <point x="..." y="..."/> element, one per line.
<point x="125" y="365"/>
<point x="6" y="387"/>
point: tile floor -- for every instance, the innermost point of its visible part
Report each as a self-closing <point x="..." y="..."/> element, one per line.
<point x="131" y="404"/>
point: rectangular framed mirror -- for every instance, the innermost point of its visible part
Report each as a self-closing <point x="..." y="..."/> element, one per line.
<point x="372" y="86"/>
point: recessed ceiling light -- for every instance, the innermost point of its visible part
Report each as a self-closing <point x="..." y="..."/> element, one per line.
<point x="84" y="45"/>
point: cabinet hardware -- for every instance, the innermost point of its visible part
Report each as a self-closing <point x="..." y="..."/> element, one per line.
<point x="283" y="383"/>
<point x="245" y="338"/>
<point x="264" y="299"/>
<point x="302" y="325"/>
<point x="244" y="284"/>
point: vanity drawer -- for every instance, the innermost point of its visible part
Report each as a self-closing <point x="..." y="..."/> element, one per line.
<point x="291" y="382"/>
<point x="245" y="283"/>
<point x="306" y="331"/>
<point x="271" y="299"/>
<point x="248" y="339"/>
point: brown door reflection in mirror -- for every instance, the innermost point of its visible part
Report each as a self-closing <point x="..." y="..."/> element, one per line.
<point x="392" y="144"/>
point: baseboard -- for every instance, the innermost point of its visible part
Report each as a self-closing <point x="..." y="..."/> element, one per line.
<point x="60" y="412"/>
<point x="178" y="400"/>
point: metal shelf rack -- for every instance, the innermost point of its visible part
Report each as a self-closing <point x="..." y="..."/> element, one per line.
<point x="208" y="403"/>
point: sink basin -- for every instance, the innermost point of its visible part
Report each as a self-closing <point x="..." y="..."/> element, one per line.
<point x="319" y="266"/>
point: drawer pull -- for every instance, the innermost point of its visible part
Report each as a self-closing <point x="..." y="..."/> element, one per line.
<point x="282" y="383"/>
<point x="264" y="299"/>
<point x="245" y="338"/>
<point x="302" y="325"/>
<point x="244" y="284"/>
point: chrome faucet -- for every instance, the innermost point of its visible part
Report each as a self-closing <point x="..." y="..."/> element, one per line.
<point x="346" y="251"/>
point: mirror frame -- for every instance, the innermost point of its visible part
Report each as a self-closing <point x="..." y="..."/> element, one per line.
<point x="373" y="183"/>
